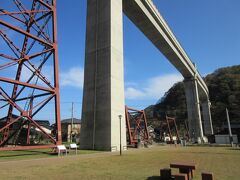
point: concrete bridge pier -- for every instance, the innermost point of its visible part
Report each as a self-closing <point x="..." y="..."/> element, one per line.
<point x="103" y="93"/>
<point x="193" y="109"/>
<point x="208" y="129"/>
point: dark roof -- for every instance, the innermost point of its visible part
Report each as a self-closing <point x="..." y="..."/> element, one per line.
<point x="44" y="123"/>
<point x="69" y="121"/>
<point x="5" y="118"/>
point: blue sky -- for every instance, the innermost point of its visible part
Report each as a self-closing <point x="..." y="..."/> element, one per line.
<point x="209" y="31"/>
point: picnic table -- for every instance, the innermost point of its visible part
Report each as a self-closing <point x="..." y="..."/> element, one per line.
<point x="184" y="167"/>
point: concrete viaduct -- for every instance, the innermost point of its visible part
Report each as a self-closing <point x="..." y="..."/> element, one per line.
<point x="103" y="94"/>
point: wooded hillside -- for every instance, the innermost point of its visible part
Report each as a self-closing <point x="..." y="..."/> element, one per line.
<point x="224" y="91"/>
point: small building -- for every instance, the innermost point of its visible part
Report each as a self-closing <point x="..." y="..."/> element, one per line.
<point x="15" y="125"/>
<point x="19" y="130"/>
<point x="235" y="127"/>
<point x="71" y="126"/>
<point x="225" y="139"/>
<point x="45" y="125"/>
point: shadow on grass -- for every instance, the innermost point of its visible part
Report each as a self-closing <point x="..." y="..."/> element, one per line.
<point x="201" y="152"/>
<point x="235" y="149"/>
<point x="154" y="178"/>
<point x="27" y="153"/>
<point x="157" y="178"/>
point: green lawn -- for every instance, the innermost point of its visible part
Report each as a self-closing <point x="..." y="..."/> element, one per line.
<point x="223" y="162"/>
<point x="35" y="154"/>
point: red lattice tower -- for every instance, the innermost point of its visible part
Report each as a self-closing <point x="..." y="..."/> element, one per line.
<point x="29" y="84"/>
<point x="136" y="126"/>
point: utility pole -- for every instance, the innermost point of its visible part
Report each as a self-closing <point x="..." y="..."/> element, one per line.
<point x="229" y="128"/>
<point x="72" y="122"/>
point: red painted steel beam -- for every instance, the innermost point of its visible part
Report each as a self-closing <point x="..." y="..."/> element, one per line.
<point x="25" y="33"/>
<point x="22" y="12"/>
<point x="8" y="65"/>
<point x="42" y="102"/>
<point x="34" y="96"/>
<point x="42" y="130"/>
<point x="15" y="120"/>
<point x="43" y="16"/>
<point x="128" y="125"/>
<point x="10" y="44"/>
<point x="169" y="130"/>
<point x="31" y="77"/>
<point x="40" y="53"/>
<point x="131" y="109"/>
<point x="41" y="107"/>
<point x="9" y="100"/>
<point x="173" y="121"/>
<point x="26" y="84"/>
<point x="38" y="73"/>
<point x="56" y="73"/>
<point x="145" y="124"/>
<point x="11" y="15"/>
<point x="138" y="118"/>
<point x="45" y="4"/>
<point x="8" y="57"/>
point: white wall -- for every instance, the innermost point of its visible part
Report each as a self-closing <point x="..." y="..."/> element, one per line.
<point x="224" y="139"/>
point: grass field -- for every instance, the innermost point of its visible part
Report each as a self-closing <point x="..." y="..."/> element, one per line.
<point x="35" y="154"/>
<point x="223" y="162"/>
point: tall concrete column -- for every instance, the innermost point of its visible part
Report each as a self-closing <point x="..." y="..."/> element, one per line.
<point x="193" y="108"/>
<point x="103" y="93"/>
<point x="208" y="129"/>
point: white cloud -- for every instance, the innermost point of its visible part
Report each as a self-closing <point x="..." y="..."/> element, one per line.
<point x="153" y="88"/>
<point x="73" y="77"/>
<point x="46" y="71"/>
<point x="132" y="93"/>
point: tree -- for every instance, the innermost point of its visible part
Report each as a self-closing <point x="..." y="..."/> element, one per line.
<point x="224" y="92"/>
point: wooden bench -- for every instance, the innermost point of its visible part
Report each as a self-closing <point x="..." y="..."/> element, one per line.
<point x="180" y="176"/>
<point x="61" y="149"/>
<point x="165" y="174"/>
<point x="185" y="168"/>
<point x="207" y="176"/>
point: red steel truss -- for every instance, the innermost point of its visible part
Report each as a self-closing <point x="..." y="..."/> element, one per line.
<point x="29" y="83"/>
<point x="136" y="125"/>
<point x="170" y="123"/>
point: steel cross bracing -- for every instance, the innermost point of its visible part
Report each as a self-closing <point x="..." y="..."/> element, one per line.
<point x="170" y="124"/>
<point x="29" y="84"/>
<point x="136" y="126"/>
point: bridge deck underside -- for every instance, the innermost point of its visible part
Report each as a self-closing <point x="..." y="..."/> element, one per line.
<point x="147" y="18"/>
